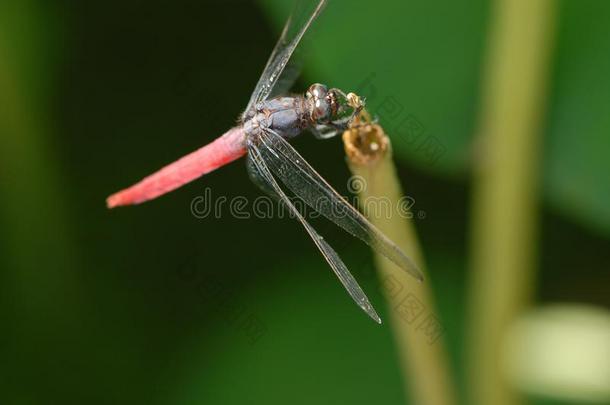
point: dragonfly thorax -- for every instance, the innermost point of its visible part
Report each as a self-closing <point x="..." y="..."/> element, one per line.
<point x="286" y="116"/>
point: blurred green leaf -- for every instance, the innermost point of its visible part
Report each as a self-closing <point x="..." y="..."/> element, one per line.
<point x="327" y="351"/>
<point x="577" y="163"/>
<point x="418" y="64"/>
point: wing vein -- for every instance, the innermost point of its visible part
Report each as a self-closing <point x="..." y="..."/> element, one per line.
<point x="332" y="258"/>
<point x="306" y="183"/>
<point x="282" y="52"/>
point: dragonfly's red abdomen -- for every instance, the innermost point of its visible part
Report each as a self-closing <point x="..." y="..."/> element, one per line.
<point x="221" y="151"/>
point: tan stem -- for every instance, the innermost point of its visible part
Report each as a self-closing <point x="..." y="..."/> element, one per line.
<point x="416" y="327"/>
<point x="40" y="254"/>
<point x="504" y="210"/>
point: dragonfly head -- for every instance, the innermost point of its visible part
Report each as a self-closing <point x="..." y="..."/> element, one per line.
<point x="332" y="107"/>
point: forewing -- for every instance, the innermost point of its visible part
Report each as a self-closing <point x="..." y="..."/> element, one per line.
<point x="303" y="15"/>
<point x="267" y="182"/>
<point x="294" y="171"/>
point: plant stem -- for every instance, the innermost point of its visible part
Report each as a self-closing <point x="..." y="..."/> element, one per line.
<point x="412" y="316"/>
<point x="39" y="281"/>
<point x="504" y="210"/>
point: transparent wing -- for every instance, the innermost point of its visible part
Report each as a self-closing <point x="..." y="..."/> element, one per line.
<point x="303" y="15"/>
<point x="267" y="182"/>
<point x="294" y="171"/>
<point x="289" y="75"/>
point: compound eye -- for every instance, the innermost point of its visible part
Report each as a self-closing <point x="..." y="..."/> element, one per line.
<point x="318" y="94"/>
<point x="321" y="110"/>
<point x="317" y="91"/>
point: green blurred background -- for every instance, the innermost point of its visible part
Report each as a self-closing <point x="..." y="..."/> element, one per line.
<point x="152" y="305"/>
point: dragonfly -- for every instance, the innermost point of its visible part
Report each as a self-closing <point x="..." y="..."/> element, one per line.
<point x="270" y="120"/>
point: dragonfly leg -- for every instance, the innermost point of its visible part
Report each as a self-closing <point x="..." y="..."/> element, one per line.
<point x="324" y="131"/>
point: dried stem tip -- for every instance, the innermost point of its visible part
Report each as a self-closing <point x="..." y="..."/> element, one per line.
<point x="365" y="142"/>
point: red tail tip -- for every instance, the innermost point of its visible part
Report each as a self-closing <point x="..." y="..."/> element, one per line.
<point x="114" y="200"/>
